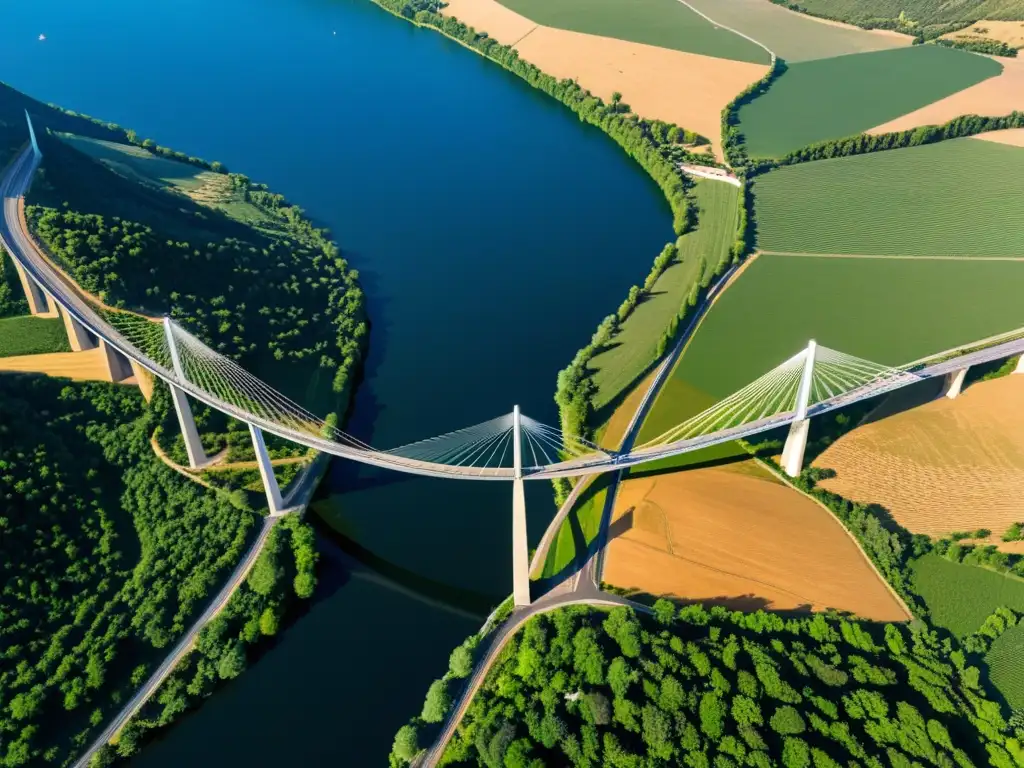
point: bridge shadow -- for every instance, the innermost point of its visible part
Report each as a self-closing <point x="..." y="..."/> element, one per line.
<point x="347" y="559"/>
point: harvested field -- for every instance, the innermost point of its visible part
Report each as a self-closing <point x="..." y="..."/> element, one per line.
<point x="687" y="89"/>
<point x="946" y="466"/>
<point x="851" y="305"/>
<point x="682" y="88"/>
<point x="79" y="366"/>
<point x="994" y="97"/>
<point x="1009" y="32"/>
<point x="806" y="104"/>
<point x="663" y="23"/>
<point x="1013" y="137"/>
<point x="911" y="202"/>
<point x="503" y="24"/>
<point x="795" y="36"/>
<point x="735" y="535"/>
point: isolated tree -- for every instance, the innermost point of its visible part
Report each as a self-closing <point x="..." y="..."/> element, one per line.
<point x="437" y="703"/>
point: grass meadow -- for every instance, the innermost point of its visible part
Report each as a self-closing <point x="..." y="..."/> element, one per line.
<point x="907" y="202"/>
<point x="32" y="336"/>
<point x="1005" y="666"/>
<point x="889" y="311"/>
<point x="794" y="36"/>
<point x="960" y="597"/>
<point x="664" y="23"/>
<point x="846" y="95"/>
<point x="701" y="251"/>
<point x="586" y="515"/>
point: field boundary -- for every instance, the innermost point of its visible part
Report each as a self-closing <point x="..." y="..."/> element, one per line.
<point x="902" y="257"/>
<point x="892" y="591"/>
<point x="771" y="53"/>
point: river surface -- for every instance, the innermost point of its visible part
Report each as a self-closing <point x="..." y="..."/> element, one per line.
<point x="492" y="232"/>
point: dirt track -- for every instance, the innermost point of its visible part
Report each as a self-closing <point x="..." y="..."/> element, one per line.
<point x="948" y="465"/>
<point x="735" y="535"/>
<point x="684" y="88"/>
<point x="994" y="97"/>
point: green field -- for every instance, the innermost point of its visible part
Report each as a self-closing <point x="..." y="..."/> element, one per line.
<point x="961" y="597"/>
<point x="32" y="336"/>
<point x="955" y="198"/>
<point x="846" y="95"/>
<point x="701" y="252"/>
<point x="922" y="14"/>
<point x="142" y="166"/>
<point x="887" y="310"/>
<point x="1006" y="665"/>
<point x="587" y="515"/>
<point x="793" y="36"/>
<point x="665" y="23"/>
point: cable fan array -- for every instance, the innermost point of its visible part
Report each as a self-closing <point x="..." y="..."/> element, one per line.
<point x="490" y="445"/>
<point x="774" y="394"/>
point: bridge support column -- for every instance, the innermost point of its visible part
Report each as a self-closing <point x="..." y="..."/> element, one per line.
<point x="1020" y="365"/>
<point x="118" y="366"/>
<point x="796" y="441"/>
<point x="273" y="490"/>
<point x="954" y="383"/>
<point x="32" y="136"/>
<point x="520" y="546"/>
<point x="145" y="380"/>
<point x="193" y="445"/>
<point x="37" y="302"/>
<point x="796" y="444"/>
<point x="79" y="338"/>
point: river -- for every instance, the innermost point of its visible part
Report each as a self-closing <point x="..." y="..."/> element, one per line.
<point x="492" y="232"/>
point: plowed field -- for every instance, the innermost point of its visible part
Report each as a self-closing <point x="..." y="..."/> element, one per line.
<point x="949" y="465"/>
<point x="736" y="536"/>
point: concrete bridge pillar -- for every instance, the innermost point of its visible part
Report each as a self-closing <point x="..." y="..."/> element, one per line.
<point x="1020" y="365"/>
<point x="954" y="383"/>
<point x="118" y="366"/>
<point x="37" y="301"/>
<point x="796" y="441"/>
<point x="270" y="486"/>
<point x="520" y="545"/>
<point x="144" y="379"/>
<point x="193" y="445"/>
<point x="79" y="338"/>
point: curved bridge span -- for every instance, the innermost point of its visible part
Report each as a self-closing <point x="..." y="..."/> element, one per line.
<point x="509" y="448"/>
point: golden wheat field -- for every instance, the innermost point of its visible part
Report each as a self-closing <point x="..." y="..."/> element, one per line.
<point x="735" y="535"/>
<point x="948" y="465"/>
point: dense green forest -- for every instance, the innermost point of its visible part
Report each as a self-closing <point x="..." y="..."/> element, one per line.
<point x="281" y="289"/>
<point x="924" y="18"/>
<point x="108" y="556"/>
<point x="589" y="687"/>
<point x="12" y="299"/>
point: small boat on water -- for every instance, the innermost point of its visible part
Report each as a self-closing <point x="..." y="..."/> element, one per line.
<point x="42" y="37"/>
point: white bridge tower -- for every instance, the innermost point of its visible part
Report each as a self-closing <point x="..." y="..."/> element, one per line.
<point x="520" y="548"/>
<point x="796" y="441"/>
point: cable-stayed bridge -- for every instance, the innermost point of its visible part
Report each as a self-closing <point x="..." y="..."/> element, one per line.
<point x="511" y="447"/>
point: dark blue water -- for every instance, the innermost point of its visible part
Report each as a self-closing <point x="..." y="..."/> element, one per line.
<point x="492" y="232"/>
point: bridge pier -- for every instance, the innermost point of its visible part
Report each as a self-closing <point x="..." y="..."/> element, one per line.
<point x="37" y="301"/>
<point x="274" y="501"/>
<point x="193" y="445"/>
<point x="520" y="545"/>
<point x="796" y="441"/>
<point x="954" y="383"/>
<point x="78" y="337"/>
<point x="118" y="366"/>
<point x="1020" y="365"/>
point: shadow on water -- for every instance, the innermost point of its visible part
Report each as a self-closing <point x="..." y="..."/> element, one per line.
<point x="348" y="559"/>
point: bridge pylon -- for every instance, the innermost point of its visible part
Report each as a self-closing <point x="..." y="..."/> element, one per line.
<point x="32" y="136"/>
<point x="193" y="445"/>
<point x="520" y="547"/>
<point x="1020" y="365"/>
<point x="270" y="485"/>
<point x="796" y="441"/>
<point x="954" y="383"/>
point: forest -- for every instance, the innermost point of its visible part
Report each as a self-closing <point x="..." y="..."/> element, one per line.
<point x="108" y="556"/>
<point x="688" y="686"/>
